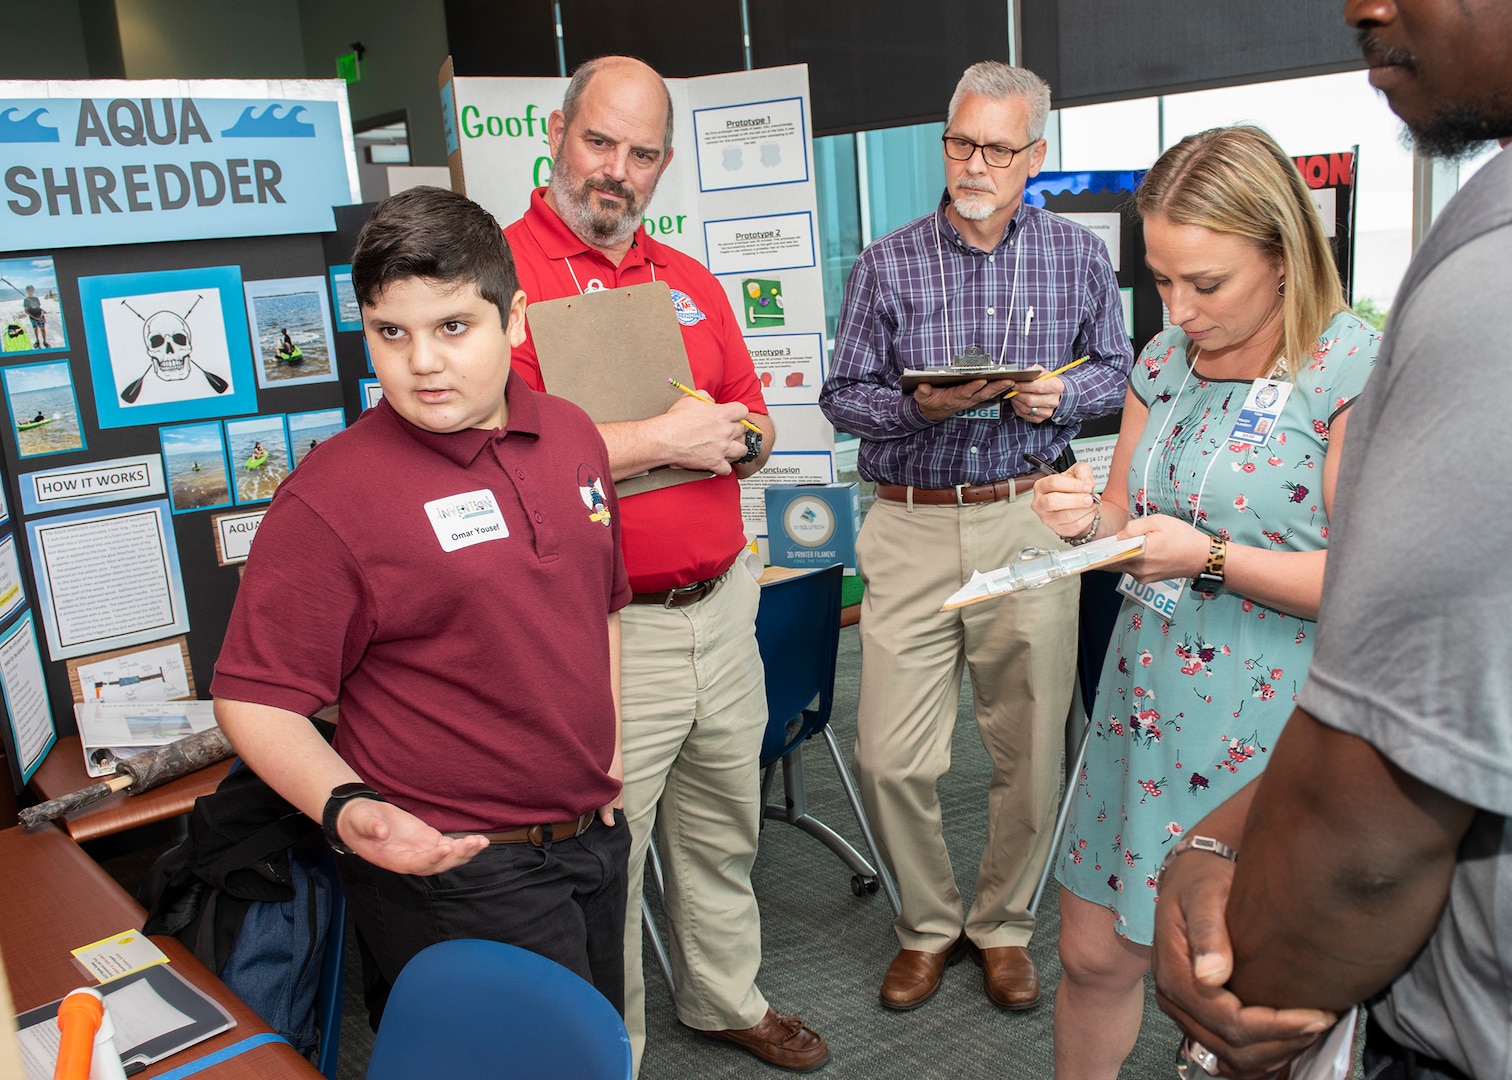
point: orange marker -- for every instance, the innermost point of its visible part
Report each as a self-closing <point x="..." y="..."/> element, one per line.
<point x="79" y="1016"/>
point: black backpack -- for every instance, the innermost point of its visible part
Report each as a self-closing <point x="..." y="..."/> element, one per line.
<point x="250" y="892"/>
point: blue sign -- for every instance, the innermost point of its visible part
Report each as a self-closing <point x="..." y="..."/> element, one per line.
<point x="84" y="171"/>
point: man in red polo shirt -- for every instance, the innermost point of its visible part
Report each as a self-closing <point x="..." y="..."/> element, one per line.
<point x="694" y="706"/>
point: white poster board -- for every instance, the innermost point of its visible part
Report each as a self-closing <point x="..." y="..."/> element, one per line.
<point x="739" y="196"/>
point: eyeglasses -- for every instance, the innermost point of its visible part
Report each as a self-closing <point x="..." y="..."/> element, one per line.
<point x="999" y="157"/>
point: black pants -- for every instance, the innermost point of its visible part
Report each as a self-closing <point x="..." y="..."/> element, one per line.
<point x="565" y="901"/>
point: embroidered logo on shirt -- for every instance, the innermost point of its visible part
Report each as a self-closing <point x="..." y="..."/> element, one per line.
<point x="591" y="488"/>
<point x="686" y="310"/>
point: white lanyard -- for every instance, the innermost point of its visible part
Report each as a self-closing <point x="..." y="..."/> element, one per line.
<point x="1018" y="262"/>
<point x="594" y="284"/>
<point x="1150" y="457"/>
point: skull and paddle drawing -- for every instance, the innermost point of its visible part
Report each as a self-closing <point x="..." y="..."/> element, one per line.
<point x="170" y="351"/>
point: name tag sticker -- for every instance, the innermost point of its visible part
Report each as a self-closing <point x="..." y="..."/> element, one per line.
<point x="1261" y="409"/>
<point x="1161" y="597"/>
<point x="464" y="520"/>
<point x="991" y="411"/>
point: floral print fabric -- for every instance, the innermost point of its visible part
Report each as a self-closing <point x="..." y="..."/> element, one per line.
<point x="1188" y="708"/>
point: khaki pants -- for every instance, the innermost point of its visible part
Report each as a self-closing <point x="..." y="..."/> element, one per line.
<point x="1022" y="653"/>
<point x="694" y="708"/>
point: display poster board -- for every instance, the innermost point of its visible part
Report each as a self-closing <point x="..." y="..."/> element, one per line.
<point x="739" y="195"/>
<point x="113" y="162"/>
<point x="156" y="394"/>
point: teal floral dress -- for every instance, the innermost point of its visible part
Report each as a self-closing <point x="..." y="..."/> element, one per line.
<point x="1188" y="707"/>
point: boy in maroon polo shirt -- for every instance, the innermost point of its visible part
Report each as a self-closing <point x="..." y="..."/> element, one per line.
<point x="447" y="570"/>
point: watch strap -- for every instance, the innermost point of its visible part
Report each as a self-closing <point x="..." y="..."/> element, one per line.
<point x="340" y="796"/>
<point x="1211" y="575"/>
<point x="1192" y="842"/>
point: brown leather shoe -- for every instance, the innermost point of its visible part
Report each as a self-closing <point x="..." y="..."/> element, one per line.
<point x="784" y="1041"/>
<point x="1009" y="976"/>
<point x="914" y="975"/>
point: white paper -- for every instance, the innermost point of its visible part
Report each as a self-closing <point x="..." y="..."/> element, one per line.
<point x="26" y="694"/>
<point x="125" y="727"/>
<point x="12" y="595"/>
<point x="140" y="1015"/>
<point x="751" y="145"/>
<point x="1332" y="1056"/>
<point x="1041" y="570"/>
<point x="156" y="674"/>
<point x="39" y="1050"/>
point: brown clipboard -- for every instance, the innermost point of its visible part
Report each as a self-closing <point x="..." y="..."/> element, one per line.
<point x="610" y="352"/>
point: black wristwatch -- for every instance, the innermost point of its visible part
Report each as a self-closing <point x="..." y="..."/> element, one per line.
<point x="753" y="448"/>
<point x="340" y="796"/>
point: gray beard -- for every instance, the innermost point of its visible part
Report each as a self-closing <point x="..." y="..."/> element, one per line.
<point x="974" y="209"/>
<point x="575" y="204"/>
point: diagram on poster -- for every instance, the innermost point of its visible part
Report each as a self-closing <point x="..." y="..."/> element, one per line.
<point x="790" y="367"/>
<point x="156" y="674"/>
<point x="107" y="579"/>
<point x="750" y="245"/>
<point x="752" y="145"/>
<point x="168" y="346"/>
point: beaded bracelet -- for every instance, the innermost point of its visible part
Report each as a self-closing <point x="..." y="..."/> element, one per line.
<point x="1086" y="537"/>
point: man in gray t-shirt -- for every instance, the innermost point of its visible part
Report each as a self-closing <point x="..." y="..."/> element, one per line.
<point x="1374" y="856"/>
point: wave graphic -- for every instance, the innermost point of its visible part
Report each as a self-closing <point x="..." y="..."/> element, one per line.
<point x="27" y="129"/>
<point x="270" y="125"/>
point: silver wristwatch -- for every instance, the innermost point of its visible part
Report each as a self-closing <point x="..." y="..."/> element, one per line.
<point x="1193" y="843"/>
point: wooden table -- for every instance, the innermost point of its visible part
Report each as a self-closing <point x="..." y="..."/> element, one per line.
<point x="63" y="771"/>
<point x="54" y="898"/>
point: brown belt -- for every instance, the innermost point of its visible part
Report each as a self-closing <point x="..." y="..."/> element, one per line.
<point x="961" y="494"/>
<point x="539" y="835"/>
<point x="681" y="596"/>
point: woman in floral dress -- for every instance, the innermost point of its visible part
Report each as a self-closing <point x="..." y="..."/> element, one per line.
<point x="1225" y="463"/>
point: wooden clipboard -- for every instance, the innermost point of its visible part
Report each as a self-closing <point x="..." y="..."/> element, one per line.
<point x="611" y="352"/>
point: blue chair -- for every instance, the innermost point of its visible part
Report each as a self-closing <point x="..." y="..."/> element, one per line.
<point x="798" y="632"/>
<point x="483" y="1010"/>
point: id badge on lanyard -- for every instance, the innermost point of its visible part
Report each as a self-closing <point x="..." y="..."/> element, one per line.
<point x="1161" y="597"/>
<point x="1260" y="411"/>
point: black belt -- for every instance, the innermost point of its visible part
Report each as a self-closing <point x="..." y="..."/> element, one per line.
<point x="681" y="596"/>
<point x="1414" y="1065"/>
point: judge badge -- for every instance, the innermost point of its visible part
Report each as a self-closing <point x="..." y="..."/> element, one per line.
<point x="987" y="410"/>
<point x="1260" y="411"/>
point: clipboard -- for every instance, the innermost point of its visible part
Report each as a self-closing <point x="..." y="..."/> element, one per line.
<point x="610" y="352"/>
<point x="1036" y="567"/>
<point x="955" y="375"/>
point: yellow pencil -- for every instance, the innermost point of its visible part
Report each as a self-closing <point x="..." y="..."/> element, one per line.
<point x="1060" y="370"/>
<point x="694" y="393"/>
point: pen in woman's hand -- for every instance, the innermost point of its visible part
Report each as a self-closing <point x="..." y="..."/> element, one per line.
<point x="1050" y="470"/>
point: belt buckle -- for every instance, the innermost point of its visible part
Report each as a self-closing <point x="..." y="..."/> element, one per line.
<point x="681" y="590"/>
<point x="959" y="490"/>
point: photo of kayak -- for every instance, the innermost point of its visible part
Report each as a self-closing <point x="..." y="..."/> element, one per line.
<point x="259" y="448"/>
<point x="44" y="411"/>
<point x="291" y="326"/>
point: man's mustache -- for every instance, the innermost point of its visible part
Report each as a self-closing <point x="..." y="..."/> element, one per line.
<point x="1378" y="54"/>
<point x="611" y="187"/>
<point x="967" y="184"/>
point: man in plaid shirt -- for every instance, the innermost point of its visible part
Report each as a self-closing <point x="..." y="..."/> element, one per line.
<point x="982" y="276"/>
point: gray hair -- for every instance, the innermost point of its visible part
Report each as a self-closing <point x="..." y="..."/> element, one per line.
<point x="996" y="80"/>
<point x="579" y="85"/>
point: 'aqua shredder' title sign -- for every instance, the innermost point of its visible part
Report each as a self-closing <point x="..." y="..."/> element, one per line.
<point x="91" y="170"/>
